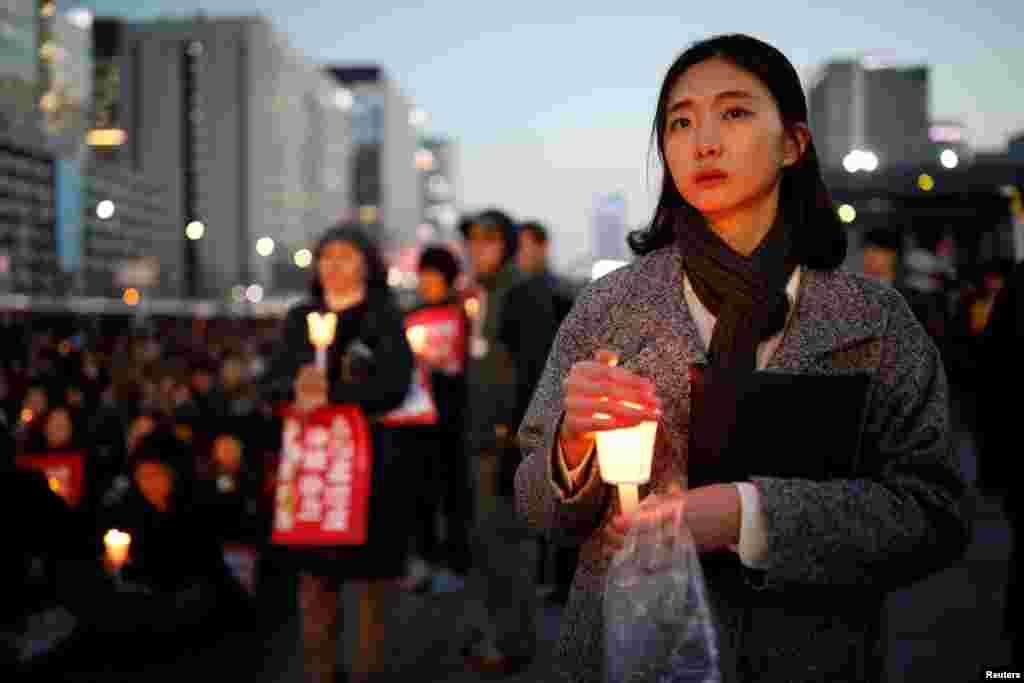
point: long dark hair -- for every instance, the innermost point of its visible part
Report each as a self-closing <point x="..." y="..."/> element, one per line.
<point x="356" y="235"/>
<point x="819" y="239"/>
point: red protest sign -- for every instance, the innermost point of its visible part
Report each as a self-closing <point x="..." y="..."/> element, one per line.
<point x="322" y="490"/>
<point x="443" y="333"/>
<point x="437" y="336"/>
<point x="65" y="472"/>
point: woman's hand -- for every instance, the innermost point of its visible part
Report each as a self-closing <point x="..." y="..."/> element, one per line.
<point x="713" y="514"/>
<point x="310" y="388"/>
<point x="600" y="396"/>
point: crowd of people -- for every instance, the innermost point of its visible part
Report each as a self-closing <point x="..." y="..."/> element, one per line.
<point x="170" y="431"/>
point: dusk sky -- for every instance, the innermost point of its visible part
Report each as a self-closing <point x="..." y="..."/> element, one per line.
<point x="551" y="102"/>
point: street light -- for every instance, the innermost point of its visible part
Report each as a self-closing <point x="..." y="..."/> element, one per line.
<point x="303" y="258"/>
<point x="265" y="246"/>
<point x="105" y="210"/>
<point x="195" y="230"/>
<point x="860" y="160"/>
<point x="847" y="213"/>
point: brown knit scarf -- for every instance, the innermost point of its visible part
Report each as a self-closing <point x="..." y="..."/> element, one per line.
<point x="747" y="295"/>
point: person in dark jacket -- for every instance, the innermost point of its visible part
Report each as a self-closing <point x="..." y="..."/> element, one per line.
<point x="506" y="642"/>
<point x="446" y="469"/>
<point x="532" y="313"/>
<point x="369" y="365"/>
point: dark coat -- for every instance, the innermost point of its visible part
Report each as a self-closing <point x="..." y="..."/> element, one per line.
<point x="530" y="317"/>
<point x="378" y="389"/>
<point x="834" y="547"/>
<point x="491" y="378"/>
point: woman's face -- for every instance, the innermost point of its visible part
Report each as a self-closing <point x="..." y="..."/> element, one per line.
<point x="59" y="429"/>
<point x="156" y="483"/>
<point x="342" y="268"/>
<point x="725" y="143"/>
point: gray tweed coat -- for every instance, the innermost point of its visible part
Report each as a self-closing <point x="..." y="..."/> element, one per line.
<point x="835" y="547"/>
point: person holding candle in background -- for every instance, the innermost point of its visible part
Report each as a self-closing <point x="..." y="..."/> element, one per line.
<point x="440" y="451"/>
<point x="369" y="364"/>
<point x="737" y="278"/>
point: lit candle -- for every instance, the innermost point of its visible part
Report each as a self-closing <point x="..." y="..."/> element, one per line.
<point x="117" y="544"/>
<point x="321" y="334"/>
<point x="473" y="307"/>
<point x="417" y="336"/>
<point x="625" y="457"/>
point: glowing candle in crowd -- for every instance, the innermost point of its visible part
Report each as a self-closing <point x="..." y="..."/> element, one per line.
<point x="417" y="336"/>
<point x="321" y="334"/>
<point x="625" y="457"/>
<point x="117" y="544"/>
<point x="473" y="307"/>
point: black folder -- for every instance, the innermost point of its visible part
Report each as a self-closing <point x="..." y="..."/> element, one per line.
<point x="782" y="425"/>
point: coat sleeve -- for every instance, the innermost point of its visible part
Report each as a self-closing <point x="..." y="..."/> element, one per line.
<point x="391" y="371"/>
<point x="903" y="519"/>
<point x="541" y="498"/>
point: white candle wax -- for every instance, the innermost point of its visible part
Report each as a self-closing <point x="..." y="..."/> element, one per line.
<point x="625" y="455"/>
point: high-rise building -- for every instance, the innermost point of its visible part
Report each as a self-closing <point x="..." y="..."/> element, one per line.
<point x="250" y="139"/>
<point x="873" y="107"/>
<point x="435" y="159"/>
<point x="610" y="228"/>
<point x="68" y="225"/>
<point x="386" y="191"/>
<point x="19" y="69"/>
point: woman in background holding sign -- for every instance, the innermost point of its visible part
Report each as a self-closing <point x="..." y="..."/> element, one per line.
<point x="322" y="514"/>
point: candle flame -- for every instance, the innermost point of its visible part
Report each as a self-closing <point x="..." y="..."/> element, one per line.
<point x="321" y="328"/>
<point x="473" y="307"/>
<point x="417" y="336"/>
<point x="117" y="539"/>
<point x="54" y="484"/>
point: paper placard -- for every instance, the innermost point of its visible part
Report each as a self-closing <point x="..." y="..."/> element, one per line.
<point x="322" y="489"/>
<point x="64" y="471"/>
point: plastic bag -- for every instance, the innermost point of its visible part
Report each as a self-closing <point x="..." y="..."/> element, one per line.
<point x="658" y="625"/>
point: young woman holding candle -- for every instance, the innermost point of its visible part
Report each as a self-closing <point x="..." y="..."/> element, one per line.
<point x="740" y="271"/>
<point x="369" y="364"/>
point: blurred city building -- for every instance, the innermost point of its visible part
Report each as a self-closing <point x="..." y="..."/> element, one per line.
<point x="53" y="241"/>
<point x="870" y="106"/>
<point x="608" y="223"/>
<point x="250" y="140"/>
<point x="436" y="161"/>
<point x="385" y="181"/>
